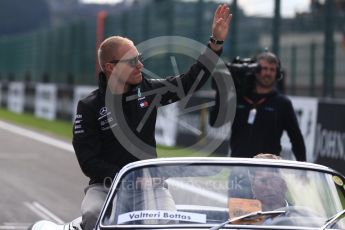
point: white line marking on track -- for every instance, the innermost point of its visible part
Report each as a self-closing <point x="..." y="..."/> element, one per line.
<point x="43" y="212"/>
<point x="15" y="227"/>
<point x="16" y="224"/>
<point x="36" y="136"/>
<point x="34" y="210"/>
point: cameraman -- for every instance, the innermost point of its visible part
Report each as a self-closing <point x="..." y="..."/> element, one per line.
<point x="262" y="113"/>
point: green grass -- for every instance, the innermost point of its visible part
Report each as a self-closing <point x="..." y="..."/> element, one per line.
<point x="63" y="130"/>
<point x="166" y="151"/>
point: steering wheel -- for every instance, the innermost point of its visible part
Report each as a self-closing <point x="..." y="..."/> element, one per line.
<point x="298" y="216"/>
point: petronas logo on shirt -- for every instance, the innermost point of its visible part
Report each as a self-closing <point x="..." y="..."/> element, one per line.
<point x="103" y="111"/>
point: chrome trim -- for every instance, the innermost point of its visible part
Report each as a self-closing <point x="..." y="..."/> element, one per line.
<point x="227" y="160"/>
<point x="208" y="160"/>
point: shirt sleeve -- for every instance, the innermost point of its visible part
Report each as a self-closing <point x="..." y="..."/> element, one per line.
<point x="87" y="144"/>
<point x="294" y="133"/>
<point x="175" y="88"/>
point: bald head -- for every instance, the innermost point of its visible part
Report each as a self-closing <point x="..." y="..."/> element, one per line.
<point x="109" y="48"/>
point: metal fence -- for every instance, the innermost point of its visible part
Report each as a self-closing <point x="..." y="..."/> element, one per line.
<point x="67" y="53"/>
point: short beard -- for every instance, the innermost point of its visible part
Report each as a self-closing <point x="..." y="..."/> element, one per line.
<point x="270" y="86"/>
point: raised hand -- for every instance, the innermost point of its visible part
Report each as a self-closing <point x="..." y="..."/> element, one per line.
<point x="221" y="21"/>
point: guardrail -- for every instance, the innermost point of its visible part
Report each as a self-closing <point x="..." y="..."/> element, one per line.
<point x="321" y="120"/>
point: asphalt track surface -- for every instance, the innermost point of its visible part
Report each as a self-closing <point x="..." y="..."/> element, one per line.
<point x="39" y="179"/>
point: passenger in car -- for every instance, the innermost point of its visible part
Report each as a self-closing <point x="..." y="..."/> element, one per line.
<point x="265" y="185"/>
<point x="269" y="188"/>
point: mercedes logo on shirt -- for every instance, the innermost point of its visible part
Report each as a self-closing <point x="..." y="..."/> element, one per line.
<point x="103" y="111"/>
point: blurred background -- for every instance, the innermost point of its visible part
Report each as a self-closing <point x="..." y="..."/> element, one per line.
<point x="55" y="41"/>
<point x="48" y="57"/>
<point x="48" y="62"/>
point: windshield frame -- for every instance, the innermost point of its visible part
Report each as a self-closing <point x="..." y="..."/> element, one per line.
<point x="219" y="161"/>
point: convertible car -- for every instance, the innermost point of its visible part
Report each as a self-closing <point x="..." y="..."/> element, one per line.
<point x="221" y="193"/>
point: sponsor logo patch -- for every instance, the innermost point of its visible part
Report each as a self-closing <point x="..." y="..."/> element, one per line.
<point x="103" y="111"/>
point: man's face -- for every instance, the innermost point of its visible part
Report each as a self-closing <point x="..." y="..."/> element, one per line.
<point x="128" y="70"/>
<point x="267" y="76"/>
<point x="270" y="188"/>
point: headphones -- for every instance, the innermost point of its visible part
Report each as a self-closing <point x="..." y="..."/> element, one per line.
<point x="272" y="58"/>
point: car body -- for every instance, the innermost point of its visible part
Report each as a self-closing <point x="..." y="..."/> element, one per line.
<point x="221" y="193"/>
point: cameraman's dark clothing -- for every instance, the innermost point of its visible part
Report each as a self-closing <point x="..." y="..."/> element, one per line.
<point x="99" y="153"/>
<point x="274" y="115"/>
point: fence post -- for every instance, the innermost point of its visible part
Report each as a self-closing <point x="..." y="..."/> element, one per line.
<point x="146" y="22"/>
<point x="199" y="21"/>
<point x="312" y="69"/>
<point x="233" y="30"/>
<point x="101" y="16"/>
<point x="124" y="23"/>
<point x="276" y="38"/>
<point x="293" y="69"/>
<point x="329" y="54"/>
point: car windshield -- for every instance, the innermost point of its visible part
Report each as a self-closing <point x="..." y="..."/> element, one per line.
<point x="209" y="194"/>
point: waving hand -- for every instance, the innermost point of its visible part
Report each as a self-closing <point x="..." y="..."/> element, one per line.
<point x="221" y="21"/>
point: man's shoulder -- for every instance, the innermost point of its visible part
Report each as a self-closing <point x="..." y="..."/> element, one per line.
<point x="280" y="97"/>
<point x="91" y="101"/>
<point x="91" y="98"/>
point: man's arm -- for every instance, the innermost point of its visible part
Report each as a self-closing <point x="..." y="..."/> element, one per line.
<point x="294" y="133"/>
<point x="87" y="144"/>
<point x="221" y="90"/>
<point x="220" y="26"/>
<point x="176" y="88"/>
